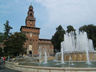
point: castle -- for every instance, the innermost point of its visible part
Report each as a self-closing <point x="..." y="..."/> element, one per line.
<point x="34" y="44"/>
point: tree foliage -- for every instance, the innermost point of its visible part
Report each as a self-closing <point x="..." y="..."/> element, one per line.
<point x="1" y="37"/>
<point x="6" y="34"/>
<point x="57" y="38"/>
<point x="7" y="29"/>
<point x="91" y="32"/>
<point x="1" y="54"/>
<point x="14" y="44"/>
<point x="70" y="28"/>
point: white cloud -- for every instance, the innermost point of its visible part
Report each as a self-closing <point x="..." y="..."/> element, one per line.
<point x="69" y="12"/>
<point x="64" y="12"/>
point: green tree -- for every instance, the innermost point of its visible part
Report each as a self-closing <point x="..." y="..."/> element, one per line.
<point x="7" y="29"/>
<point x="1" y="37"/>
<point x="57" y="38"/>
<point x="1" y="51"/>
<point x="14" y="44"/>
<point x="70" y="28"/>
<point x="91" y="32"/>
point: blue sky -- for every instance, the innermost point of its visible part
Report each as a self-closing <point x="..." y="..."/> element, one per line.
<point x="48" y="13"/>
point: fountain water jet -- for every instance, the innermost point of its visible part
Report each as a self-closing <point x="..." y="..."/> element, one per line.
<point x="75" y="44"/>
<point x="62" y="54"/>
<point x="45" y="58"/>
<point x="40" y="54"/>
<point x="70" y="61"/>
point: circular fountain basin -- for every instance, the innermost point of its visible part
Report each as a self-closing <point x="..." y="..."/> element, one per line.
<point x="31" y="65"/>
<point x="53" y="66"/>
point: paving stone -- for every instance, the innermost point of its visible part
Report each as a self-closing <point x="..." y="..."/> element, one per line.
<point x="4" y="69"/>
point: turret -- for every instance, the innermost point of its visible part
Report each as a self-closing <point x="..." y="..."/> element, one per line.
<point x="30" y="20"/>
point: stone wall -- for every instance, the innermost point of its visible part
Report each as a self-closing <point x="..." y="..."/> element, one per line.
<point x="46" y="45"/>
<point x="78" y="56"/>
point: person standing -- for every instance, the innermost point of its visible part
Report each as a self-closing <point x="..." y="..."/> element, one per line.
<point x="4" y="60"/>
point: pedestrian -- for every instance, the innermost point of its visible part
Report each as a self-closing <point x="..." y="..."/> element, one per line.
<point x="1" y="60"/>
<point x="4" y="60"/>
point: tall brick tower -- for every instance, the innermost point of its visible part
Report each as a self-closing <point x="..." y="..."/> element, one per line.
<point x="31" y="32"/>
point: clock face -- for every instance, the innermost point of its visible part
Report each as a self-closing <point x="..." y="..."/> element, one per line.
<point x="30" y="34"/>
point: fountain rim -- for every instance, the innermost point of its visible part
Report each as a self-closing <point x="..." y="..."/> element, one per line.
<point x="76" y="52"/>
<point x="52" y="68"/>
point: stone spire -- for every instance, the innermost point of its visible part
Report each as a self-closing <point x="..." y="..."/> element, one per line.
<point x="30" y="20"/>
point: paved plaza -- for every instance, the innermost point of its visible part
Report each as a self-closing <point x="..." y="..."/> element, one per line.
<point x="4" y="69"/>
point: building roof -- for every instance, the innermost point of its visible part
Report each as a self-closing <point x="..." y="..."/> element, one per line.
<point x="44" y="39"/>
<point x="28" y="27"/>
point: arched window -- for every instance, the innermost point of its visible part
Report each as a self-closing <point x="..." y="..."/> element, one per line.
<point x="30" y="14"/>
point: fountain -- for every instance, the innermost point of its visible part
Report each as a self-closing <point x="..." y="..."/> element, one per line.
<point x="62" y="54"/>
<point x="40" y="55"/>
<point x="77" y="54"/>
<point x="76" y="45"/>
<point x="45" y="57"/>
<point x="70" y="61"/>
<point x="75" y="49"/>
